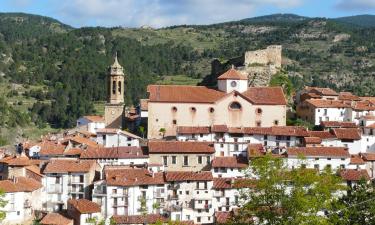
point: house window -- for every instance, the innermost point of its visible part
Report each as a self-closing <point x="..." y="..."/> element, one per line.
<point x="201" y="135"/>
<point x="316" y="166"/>
<point x="276" y="122"/>
<point x="193" y="109"/>
<point x="119" y="87"/>
<point x="165" y="160"/>
<point x="198" y="219"/>
<point x="259" y="123"/>
<point x="113" y="87"/>
<point x="199" y="159"/>
<point x="212" y="110"/>
<point x="258" y="111"/>
<point x="186" y="160"/>
<point x="208" y="159"/>
<point x="174" y="109"/>
<point x="174" y="122"/>
<point x="174" y="159"/>
<point x="235" y="106"/>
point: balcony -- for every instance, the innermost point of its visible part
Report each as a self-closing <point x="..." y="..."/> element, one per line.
<point x="174" y="208"/>
<point x="54" y="188"/>
<point x="202" y="205"/>
<point x="99" y="192"/>
<point x="172" y="197"/>
<point x="121" y="204"/>
<point x="77" y="190"/>
<point x="120" y="195"/>
<point x="76" y="180"/>
<point x="173" y="186"/>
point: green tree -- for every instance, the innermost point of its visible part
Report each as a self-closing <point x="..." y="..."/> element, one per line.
<point x="357" y="207"/>
<point x="283" y="196"/>
<point x="142" y="131"/>
<point x="281" y="79"/>
<point x="162" y="130"/>
<point x="3" y="203"/>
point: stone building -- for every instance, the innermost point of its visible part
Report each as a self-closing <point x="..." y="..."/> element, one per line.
<point x="114" y="107"/>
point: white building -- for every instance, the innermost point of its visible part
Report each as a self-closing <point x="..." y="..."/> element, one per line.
<point x="91" y="123"/>
<point x="23" y="196"/>
<point x="84" y="212"/>
<point x="130" y="191"/>
<point x="226" y="194"/>
<point x="229" y="166"/>
<point x="109" y="137"/>
<point x="67" y="179"/>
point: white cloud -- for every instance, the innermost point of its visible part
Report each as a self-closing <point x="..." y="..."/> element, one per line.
<point x="159" y="13"/>
<point x="356" y="4"/>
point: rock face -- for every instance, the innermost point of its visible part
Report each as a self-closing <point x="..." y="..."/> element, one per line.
<point x="259" y="65"/>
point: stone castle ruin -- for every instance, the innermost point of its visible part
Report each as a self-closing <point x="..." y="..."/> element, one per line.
<point x="259" y="65"/>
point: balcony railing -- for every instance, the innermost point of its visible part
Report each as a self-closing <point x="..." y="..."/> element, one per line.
<point x="172" y="197"/>
<point x="99" y="192"/>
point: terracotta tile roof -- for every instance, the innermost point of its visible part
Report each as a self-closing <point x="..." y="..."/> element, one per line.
<point x="84" y="141"/>
<point x="132" y="177"/>
<point x="20" y="161"/>
<point x="323" y="103"/>
<point x="69" y="166"/>
<point x="95" y="118"/>
<point x="188" y="176"/>
<point x="186" y="222"/>
<point x="255" y="150"/>
<point x="222" y="183"/>
<point x="354" y="175"/>
<point x="56" y="219"/>
<point x="20" y="184"/>
<point x="183" y="93"/>
<point x="370" y="99"/>
<point x="232" y="74"/>
<point x="229" y="162"/>
<point x="193" y="130"/>
<point x="51" y="148"/>
<point x="143" y="104"/>
<point x="116" y="131"/>
<point x="363" y="106"/>
<point x="275" y="130"/>
<point x="322" y="134"/>
<point x="34" y="169"/>
<point x="319" y="152"/>
<point x="139" y="219"/>
<point x="84" y="206"/>
<point x="368" y="156"/>
<point x="219" y="128"/>
<point x="177" y="147"/>
<point x="338" y="124"/>
<point x="347" y="133"/>
<point x="369" y="117"/>
<point x="73" y="152"/>
<point x="348" y="96"/>
<point x="265" y="95"/>
<point x="113" y="153"/>
<point x="312" y="140"/>
<point x="356" y="159"/>
<point x="322" y="91"/>
<point x="233" y="183"/>
<point x="222" y="217"/>
<point x="371" y="125"/>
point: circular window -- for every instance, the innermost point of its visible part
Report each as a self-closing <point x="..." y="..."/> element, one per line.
<point x="233" y="84"/>
<point x="258" y="111"/>
<point x="174" y="109"/>
<point x="193" y="109"/>
<point x="211" y="109"/>
<point x="235" y="106"/>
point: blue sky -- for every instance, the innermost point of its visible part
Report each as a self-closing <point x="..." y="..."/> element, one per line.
<point x="160" y="13"/>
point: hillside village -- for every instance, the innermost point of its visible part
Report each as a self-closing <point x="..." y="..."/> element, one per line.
<point x="189" y="162"/>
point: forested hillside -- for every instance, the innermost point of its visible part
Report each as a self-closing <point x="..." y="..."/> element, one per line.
<point x="55" y="72"/>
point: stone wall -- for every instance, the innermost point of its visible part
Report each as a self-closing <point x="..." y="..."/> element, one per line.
<point x="270" y="55"/>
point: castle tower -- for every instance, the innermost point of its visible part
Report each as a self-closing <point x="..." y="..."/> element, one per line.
<point x="114" y="107"/>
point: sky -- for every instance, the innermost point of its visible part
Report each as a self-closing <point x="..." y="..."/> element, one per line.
<point x="162" y="13"/>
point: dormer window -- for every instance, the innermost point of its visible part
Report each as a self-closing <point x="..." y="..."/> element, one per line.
<point x="235" y="106"/>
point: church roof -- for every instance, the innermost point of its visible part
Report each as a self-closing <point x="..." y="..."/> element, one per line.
<point x="232" y="74"/>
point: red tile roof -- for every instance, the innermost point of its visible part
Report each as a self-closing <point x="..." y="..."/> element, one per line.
<point x="73" y="152"/>
<point x="51" y="148"/>
<point x="347" y="133"/>
<point x="20" y="161"/>
<point x="232" y="74"/>
<point x="275" y="131"/>
<point x="94" y="118"/>
<point x="323" y="103"/>
<point x="322" y="134"/>
<point x="222" y="183"/>
<point x="354" y="175"/>
<point x="368" y="156"/>
<point x="56" y="219"/>
<point x="319" y="152"/>
<point x="188" y="176"/>
<point x="322" y="91"/>
<point x="356" y="159"/>
<point x="219" y="128"/>
<point x="83" y="140"/>
<point x="312" y="140"/>
<point x="84" y="206"/>
<point x="229" y="162"/>
<point x="113" y="153"/>
<point x="255" y="150"/>
<point x="338" y="124"/>
<point x="363" y="106"/>
<point x="193" y="130"/>
<point x="232" y="183"/>
<point x="177" y="147"/>
<point x="132" y="177"/>
<point x="139" y="219"/>
<point x="69" y="166"/>
<point x="348" y="96"/>
<point x="265" y="95"/>
<point x="20" y="184"/>
<point x="222" y="217"/>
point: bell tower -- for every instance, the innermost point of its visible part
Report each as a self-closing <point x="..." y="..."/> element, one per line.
<point x="114" y="107"/>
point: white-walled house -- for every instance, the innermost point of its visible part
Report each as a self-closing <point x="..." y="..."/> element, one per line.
<point x="23" y="196"/>
<point x="130" y="191"/>
<point x="67" y="179"/>
<point x="84" y="212"/>
<point x="91" y="123"/>
<point x="109" y="137"/>
<point x="116" y="156"/>
<point x="229" y="166"/>
<point x="318" y="157"/>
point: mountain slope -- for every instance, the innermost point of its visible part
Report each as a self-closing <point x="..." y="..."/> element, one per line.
<point x="359" y="20"/>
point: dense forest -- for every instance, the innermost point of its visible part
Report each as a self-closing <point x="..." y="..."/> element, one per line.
<point x="62" y="69"/>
